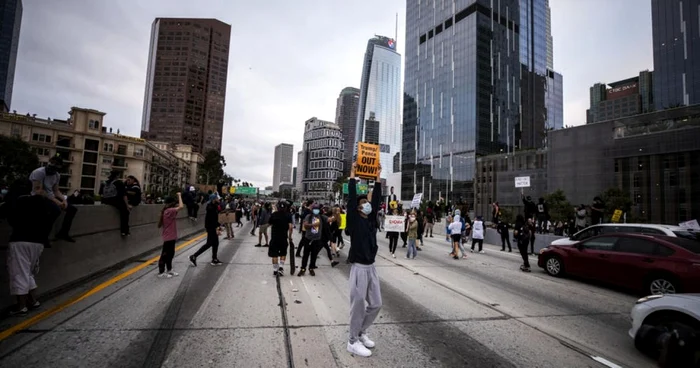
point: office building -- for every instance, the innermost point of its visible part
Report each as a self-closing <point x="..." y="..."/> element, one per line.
<point x="461" y="94"/>
<point x="322" y="158"/>
<point x="282" y="170"/>
<point x="298" y="183"/>
<point x="371" y="130"/>
<point x="676" y="45"/>
<point x="90" y="151"/>
<point x="186" y="82"/>
<point x="10" y="24"/>
<point x="346" y="119"/>
<point x="380" y="95"/>
<point x="627" y="97"/>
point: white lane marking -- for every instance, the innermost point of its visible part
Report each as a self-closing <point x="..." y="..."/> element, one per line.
<point x="606" y="362"/>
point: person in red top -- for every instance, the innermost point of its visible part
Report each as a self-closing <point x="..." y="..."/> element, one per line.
<point x="168" y="221"/>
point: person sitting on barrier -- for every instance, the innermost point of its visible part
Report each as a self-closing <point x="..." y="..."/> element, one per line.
<point x="190" y="200"/>
<point x="31" y="218"/>
<point x="45" y="182"/>
<point x="113" y="193"/>
<point x="133" y="191"/>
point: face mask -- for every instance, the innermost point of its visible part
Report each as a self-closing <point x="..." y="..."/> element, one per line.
<point x="4" y="191"/>
<point x="367" y="208"/>
<point x="413" y="218"/>
<point x="51" y="169"/>
<point x="316" y="211"/>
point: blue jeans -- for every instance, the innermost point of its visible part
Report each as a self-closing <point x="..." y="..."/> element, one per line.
<point x="411" y="248"/>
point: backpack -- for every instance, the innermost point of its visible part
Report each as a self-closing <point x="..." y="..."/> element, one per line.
<point x="109" y="190"/>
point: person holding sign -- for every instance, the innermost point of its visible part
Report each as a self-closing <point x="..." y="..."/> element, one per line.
<point x="364" y="280"/>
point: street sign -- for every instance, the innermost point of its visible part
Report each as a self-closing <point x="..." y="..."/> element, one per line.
<point x="395" y="223"/>
<point x="367" y="160"/>
<point x="361" y="188"/>
<point x="522" y="181"/>
<point x="415" y="203"/>
<point x="244" y="190"/>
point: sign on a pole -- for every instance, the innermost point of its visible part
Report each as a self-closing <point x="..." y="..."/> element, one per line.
<point x="522" y="181"/>
<point x="367" y="160"/>
<point x="361" y="188"/>
<point x="415" y="203"/>
<point x="395" y="223"/>
<point x="243" y="190"/>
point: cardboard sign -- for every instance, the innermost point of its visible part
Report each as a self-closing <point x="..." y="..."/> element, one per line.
<point x="522" y="181"/>
<point x="395" y="223"/>
<point x="692" y="224"/>
<point x="367" y="160"/>
<point x="417" y="198"/>
<point x="616" y="216"/>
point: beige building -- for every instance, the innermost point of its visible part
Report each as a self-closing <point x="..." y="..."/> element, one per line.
<point x="91" y="151"/>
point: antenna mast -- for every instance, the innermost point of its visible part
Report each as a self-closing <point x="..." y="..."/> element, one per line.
<point x="396" y="32"/>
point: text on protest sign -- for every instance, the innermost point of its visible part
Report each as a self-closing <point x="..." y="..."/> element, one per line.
<point x="367" y="160"/>
<point x="394" y="223"/>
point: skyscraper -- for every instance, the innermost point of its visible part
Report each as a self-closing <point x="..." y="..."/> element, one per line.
<point x="346" y="118"/>
<point x="282" y="171"/>
<point x="380" y="94"/>
<point x="10" y="23"/>
<point x="675" y="27"/>
<point x="186" y="82"/>
<point x="322" y="158"/>
<point x="298" y="183"/>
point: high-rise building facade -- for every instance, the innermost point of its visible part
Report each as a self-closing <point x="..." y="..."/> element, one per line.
<point x="627" y="97"/>
<point x="322" y="158"/>
<point x="10" y="23"/>
<point x="676" y="41"/>
<point x="380" y="95"/>
<point x="186" y="82"/>
<point x="282" y="171"/>
<point x="298" y="183"/>
<point x="346" y="118"/>
<point x="461" y="94"/>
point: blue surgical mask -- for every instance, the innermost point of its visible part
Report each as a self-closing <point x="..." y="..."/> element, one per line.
<point x="316" y="211"/>
<point x="4" y="191"/>
<point x="367" y="208"/>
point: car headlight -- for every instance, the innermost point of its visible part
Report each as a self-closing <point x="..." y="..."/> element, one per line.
<point x="544" y="250"/>
<point x="648" y="298"/>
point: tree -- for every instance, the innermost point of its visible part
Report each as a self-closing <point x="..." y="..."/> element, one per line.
<point x="16" y="160"/>
<point x="616" y="199"/>
<point x="212" y="169"/>
<point x="559" y="207"/>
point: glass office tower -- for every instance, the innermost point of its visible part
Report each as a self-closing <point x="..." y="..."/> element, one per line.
<point x="676" y="40"/>
<point x="461" y="93"/>
<point x="380" y="97"/>
<point x="10" y="23"/>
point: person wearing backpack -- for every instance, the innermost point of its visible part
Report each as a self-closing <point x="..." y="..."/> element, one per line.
<point x="113" y="192"/>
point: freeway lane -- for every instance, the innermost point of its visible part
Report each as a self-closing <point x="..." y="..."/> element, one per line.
<point x="481" y="312"/>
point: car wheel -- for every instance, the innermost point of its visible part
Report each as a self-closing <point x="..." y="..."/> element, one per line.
<point x="554" y="266"/>
<point x="661" y="284"/>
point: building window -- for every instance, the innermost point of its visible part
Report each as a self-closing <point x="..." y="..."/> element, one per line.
<point x="138" y="152"/>
<point x="44" y="138"/>
<point x="94" y="124"/>
<point x="41" y="151"/>
<point x="108" y="147"/>
<point x="105" y="172"/>
<point x="16" y="131"/>
<point x="92" y="145"/>
<point x="107" y="159"/>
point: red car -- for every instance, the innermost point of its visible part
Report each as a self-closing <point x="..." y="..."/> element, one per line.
<point x="652" y="264"/>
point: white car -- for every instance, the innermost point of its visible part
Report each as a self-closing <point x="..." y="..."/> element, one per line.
<point x="646" y="229"/>
<point x="668" y="327"/>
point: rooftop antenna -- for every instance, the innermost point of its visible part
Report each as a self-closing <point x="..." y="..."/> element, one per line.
<point x="396" y="32"/>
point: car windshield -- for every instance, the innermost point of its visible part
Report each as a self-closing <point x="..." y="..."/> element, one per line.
<point x="688" y="244"/>
<point x="687" y="234"/>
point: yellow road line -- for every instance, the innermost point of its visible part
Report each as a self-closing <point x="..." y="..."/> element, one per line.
<point x="50" y="312"/>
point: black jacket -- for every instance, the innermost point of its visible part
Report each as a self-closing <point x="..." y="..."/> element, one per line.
<point x="31" y="219"/>
<point x="503" y="228"/>
<point x="363" y="231"/>
<point x="211" y="219"/>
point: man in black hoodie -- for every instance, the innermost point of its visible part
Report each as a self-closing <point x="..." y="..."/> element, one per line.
<point x="211" y="224"/>
<point x="364" y="280"/>
<point x="530" y="207"/>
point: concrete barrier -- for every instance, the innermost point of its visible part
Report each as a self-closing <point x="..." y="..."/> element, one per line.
<point x="99" y="246"/>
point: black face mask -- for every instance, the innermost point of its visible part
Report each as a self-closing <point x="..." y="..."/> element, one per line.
<point x="51" y="169"/>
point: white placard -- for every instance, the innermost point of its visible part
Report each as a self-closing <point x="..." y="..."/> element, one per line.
<point x="395" y="223"/>
<point x="692" y="224"/>
<point x="415" y="203"/>
<point x="522" y="181"/>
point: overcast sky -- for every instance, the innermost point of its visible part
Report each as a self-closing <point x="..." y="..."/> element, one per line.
<point x="288" y="60"/>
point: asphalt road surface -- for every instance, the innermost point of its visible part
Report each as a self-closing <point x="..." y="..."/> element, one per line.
<point x="438" y="312"/>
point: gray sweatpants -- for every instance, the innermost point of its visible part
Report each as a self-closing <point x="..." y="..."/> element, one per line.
<point x="364" y="286"/>
<point x="23" y="265"/>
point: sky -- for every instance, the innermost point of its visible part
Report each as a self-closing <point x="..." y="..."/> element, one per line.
<point x="288" y="60"/>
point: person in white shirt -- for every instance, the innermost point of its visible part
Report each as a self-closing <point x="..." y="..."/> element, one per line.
<point x="478" y="233"/>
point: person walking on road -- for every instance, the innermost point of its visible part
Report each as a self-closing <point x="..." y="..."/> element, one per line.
<point x="502" y="229"/>
<point x="429" y="223"/>
<point x="532" y="230"/>
<point x="365" y="293"/>
<point x="393" y="236"/>
<point x="168" y="222"/>
<point x="211" y="224"/>
<point x="313" y="233"/>
<point x="478" y="234"/>
<point x="412" y="234"/>
<point x="456" y="235"/>
<point x="263" y="224"/>
<point x="281" y="234"/>
<point x="521" y="234"/>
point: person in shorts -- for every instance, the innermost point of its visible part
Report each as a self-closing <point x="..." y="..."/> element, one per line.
<point x="264" y="223"/>
<point x="281" y="234"/>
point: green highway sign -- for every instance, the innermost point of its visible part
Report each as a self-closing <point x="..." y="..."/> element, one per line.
<point x="361" y="188"/>
<point x="244" y="190"/>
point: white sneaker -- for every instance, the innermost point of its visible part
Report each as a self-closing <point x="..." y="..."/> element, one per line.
<point x="366" y="341"/>
<point x="358" y="349"/>
<point x="164" y="275"/>
<point x="482" y="252"/>
<point x="393" y="255"/>
<point x="173" y="273"/>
